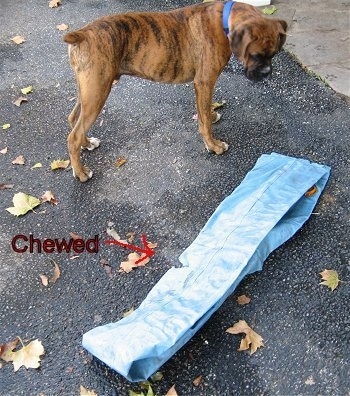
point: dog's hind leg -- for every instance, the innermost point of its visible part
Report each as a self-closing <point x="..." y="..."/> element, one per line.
<point x="93" y="92"/>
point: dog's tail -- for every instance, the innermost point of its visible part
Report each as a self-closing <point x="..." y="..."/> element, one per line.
<point x="74" y="37"/>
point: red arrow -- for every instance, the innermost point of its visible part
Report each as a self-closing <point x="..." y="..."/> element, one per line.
<point x="147" y="251"/>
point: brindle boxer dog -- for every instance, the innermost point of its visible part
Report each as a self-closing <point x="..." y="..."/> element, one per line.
<point x="187" y="44"/>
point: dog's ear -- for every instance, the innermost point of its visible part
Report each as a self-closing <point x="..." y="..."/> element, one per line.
<point x="283" y="29"/>
<point x="239" y="39"/>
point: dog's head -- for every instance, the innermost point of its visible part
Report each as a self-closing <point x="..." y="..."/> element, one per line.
<point x="255" y="42"/>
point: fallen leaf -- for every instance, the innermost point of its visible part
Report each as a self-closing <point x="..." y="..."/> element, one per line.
<point x="132" y="393"/>
<point x="49" y="197"/>
<point x="44" y="280"/>
<point x="59" y="164"/>
<point x="128" y="266"/>
<point x="75" y="236"/>
<point x="18" y="39"/>
<point x="4" y="186"/>
<point x="20" y="160"/>
<point x="54" y="3"/>
<point x="157" y="376"/>
<point x="171" y="391"/>
<point x="86" y="392"/>
<point x="62" y="27"/>
<point x="120" y="162"/>
<point x="113" y="233"/>
<point x="6" y="350"/>
<point x="6" y="126"/>
<point x="28" y="355"/>
<point x="217" y="105"/>
<point x="252" y="339"/>
<point x="311" y="191"/>
<point x="4" y="150"/>
<point x="330" y="278"/>
<point x="20" y="100"/>
<point x="23" y="203"/>
<point x="56" y="273"/>
<point x="243" y="299"/>
<point x="129" y="312"/>
<point x="152" y="245"/>
<point x="27" y="90"/>
<point x="131" y="236"/>
<point x="270" y="10"/>
<point x="197" y="381"/>
<point x="310" y="381"/>
<point x="107" y="267"/>
<point x="37" y="165"/>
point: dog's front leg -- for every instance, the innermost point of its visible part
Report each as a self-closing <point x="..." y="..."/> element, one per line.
<point x="204" y="94"/>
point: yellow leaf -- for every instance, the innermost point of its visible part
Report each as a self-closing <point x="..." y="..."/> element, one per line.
<point x="28" y="356"/>
<point x="6" y="126"/>
<point x="37" y="165"/>
<point x="330" y="278"/>
<point x="86" y="392"/>
<point x="18" y="39"/>
<point x="59" y="164"/>
<point x="23" y="203"/>
<point x="252" y="339"/>
<point x="27" y="90"/>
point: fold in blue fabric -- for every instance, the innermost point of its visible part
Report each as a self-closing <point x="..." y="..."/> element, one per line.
<point x="264" y="211"/>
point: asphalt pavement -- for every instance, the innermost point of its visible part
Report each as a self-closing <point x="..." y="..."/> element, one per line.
<point x="167" y="189"/>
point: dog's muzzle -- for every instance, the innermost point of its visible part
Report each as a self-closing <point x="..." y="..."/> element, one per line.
<point x="259" y="73"/>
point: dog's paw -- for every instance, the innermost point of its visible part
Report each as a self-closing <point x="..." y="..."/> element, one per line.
<point x="218" y="147"/>
<point x="93" y="143"/>
<point x="83" y="175"/>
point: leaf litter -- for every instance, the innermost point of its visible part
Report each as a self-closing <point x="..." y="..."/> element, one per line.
<point x="252" y="340"/>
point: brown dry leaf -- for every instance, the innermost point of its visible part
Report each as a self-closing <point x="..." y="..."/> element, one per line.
<point x="252" y="339"/>
<point x="311" y="191"/>
<point x="6" y="350"/>
<point x="62" y="27"/>
<point x="197" y="381"/>
<point x="107" y="267"/>
<point x="18" y="39"/>
<point x="44" y="280"/>
<point x="152" y="245"/>
<point x="54" y="3"/>
<point x="120" y="162"/>
<point x="56" y="273"/>
<point x="171" y="391"/>
<point x="49" y="197"/>
<point x="131" y="236"/>
<point x="86" y="392"/>
<point x="20" y="100"/>
<point x="59" y="164"/>
<point x="4" y="150"/>
<point x="128" y="266"/>
<point x="4" y="186"/>
<point x="75" y="236"/>
<point x="243" y="300"/>
<point x="330" y="278"/>
<point x="28" y="355"/>
<point x="20" y="160"/>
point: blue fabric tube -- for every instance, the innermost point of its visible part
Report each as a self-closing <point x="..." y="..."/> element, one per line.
<point x="265" y="210"/>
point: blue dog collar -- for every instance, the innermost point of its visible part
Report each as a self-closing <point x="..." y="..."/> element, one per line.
<point x="225" y="14"/>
